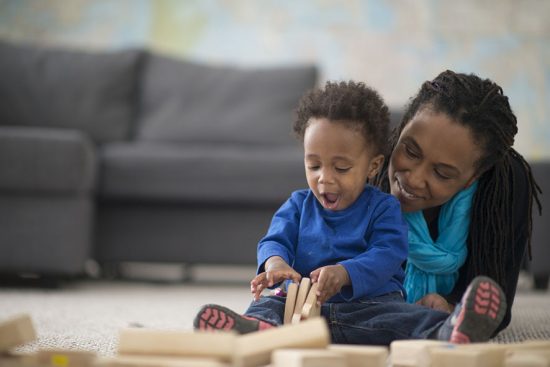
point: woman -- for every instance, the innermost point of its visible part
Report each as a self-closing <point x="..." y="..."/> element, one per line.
<point x="466" y="193"/>
<point x="467" y="197"/>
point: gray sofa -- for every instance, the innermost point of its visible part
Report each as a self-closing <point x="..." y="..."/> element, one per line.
<point x="539" y="266"/>
<point x="135" y="156"/>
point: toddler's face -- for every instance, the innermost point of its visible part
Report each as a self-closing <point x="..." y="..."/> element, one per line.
<point x="338" y="162"/>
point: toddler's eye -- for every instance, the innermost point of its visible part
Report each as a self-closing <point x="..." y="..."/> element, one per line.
<point x="313" y="168"/>
<point x="342" y="169"/>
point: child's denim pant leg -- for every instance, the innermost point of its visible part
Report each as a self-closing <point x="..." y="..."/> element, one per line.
<point x="381" y="320"/>
<point x="268" y="308"/>
<point x="378" y="321"/>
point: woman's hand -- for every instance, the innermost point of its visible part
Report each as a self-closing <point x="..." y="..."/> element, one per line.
<point x="435" y="301"/>
<point x="276" y="270"/>
<point x="331" y="279"/>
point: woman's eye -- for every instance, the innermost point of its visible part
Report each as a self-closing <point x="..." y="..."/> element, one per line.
<point x="410" y="152"/>
<point x="441" y="175"/>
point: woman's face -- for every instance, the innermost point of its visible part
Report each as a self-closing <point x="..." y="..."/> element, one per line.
<point x="434" y="158"/>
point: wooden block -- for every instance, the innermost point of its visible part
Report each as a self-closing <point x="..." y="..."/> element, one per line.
<point x="10" y="359"/>
<point x="65" y="358"/>
<point x="255" y="349"/>
<point x="527" y="359"/>
<point x="303" y="291"/>
<point x="457" y="356"/>
<point x="362" y="355"/>
<point x="16" y="331"/>
<point x="290" y="302"/>
<point x="217" y="345"/>
<point x="413" y="353"/>
<point x="307" y="358"/>
<point x="482" y="354"/>
<point x="156" y="361"/>
<point x="528" y="345"/>
<point x="310" y="308"/>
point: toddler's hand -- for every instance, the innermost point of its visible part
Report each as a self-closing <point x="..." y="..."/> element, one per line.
<point x="277" y="270"/>
<point x="331" y="279"/>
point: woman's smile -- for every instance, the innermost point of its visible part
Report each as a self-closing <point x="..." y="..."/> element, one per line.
<point x="404" y="192"/>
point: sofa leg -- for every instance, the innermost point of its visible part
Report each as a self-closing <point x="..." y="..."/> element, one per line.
<point x="110" y="271"/>
<point x="540" y="282"/>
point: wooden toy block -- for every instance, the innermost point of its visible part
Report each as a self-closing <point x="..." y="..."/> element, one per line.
<point x="65" y="358"/>
<point x="528" y="359"/>
<point x="457" y="356"/>
<point x="310" y="308"/>
<point x="413" y="353"/>
<point x="16" y="331"/>
<point x="217" y="345"/>
<point x="156" y="361"/>
<point x="482" y="354"/>
<point x="255" y="349"/>
<point x="528" y="345"/>
<point x="362" y="355"/>
<point x="12" y="359"/>
<point x="303" y="291"/>
<point x="307" y="358"/>
<point x="290" y="302"/>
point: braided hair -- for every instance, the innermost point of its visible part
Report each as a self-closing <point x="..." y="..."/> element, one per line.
<point x="480" y="105"/>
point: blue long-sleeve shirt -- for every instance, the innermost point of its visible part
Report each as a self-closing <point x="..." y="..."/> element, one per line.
<point x="369" y="238"/>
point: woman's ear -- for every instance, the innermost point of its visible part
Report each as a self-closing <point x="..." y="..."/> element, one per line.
<point x="375" y="165"/>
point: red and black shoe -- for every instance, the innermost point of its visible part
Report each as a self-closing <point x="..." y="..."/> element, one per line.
<point x="479" y="313"/>
<point x="216" y="317"/>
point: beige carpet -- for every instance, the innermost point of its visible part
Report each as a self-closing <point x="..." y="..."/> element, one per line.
<point x="88" y="315"/>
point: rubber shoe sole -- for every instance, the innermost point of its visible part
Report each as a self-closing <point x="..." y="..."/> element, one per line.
<point x="216" y="317"/>
<point x="482" y="310"/>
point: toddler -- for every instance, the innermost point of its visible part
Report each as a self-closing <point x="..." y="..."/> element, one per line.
<point x="343" y="233"/>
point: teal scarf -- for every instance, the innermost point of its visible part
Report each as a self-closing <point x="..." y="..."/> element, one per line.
<point x="432" y="267"/>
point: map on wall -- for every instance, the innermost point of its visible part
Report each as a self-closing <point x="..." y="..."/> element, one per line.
<point x="391" y="45"/>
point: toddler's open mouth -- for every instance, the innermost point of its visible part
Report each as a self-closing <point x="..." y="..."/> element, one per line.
<point x="330" y="200"/>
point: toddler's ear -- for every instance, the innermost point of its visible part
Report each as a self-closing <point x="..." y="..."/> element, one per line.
<point x="375" y="165"/>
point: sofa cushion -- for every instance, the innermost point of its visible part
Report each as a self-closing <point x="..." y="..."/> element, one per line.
<point x="206" y="173"/>
<point x="35" y="161"/>
<point x="51" y="87"/>
<point x="187" y="102"/>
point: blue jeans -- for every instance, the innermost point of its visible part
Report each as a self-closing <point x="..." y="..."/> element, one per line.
<point x="377" y="321"/>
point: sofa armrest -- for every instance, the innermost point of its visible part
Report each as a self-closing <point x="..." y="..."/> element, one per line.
<point x="46" y="160"/>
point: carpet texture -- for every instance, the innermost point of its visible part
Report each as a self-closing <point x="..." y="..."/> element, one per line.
<point x="88" y="315"/>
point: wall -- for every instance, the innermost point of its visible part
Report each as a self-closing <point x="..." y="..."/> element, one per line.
<point x="392" y="45"/>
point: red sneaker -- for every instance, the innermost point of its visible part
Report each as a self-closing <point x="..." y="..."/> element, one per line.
<point x="216" y="317"/>
<point x="479" y="313"/>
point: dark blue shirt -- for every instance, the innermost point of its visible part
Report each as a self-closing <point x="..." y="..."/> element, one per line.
<point x="369" y="238"/>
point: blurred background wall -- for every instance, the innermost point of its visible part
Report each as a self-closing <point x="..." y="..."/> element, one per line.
<point x="392" y="45"/>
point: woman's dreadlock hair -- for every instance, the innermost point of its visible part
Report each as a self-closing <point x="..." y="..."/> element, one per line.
<point x="348" y="102"/>
<point x="480" y="105"/>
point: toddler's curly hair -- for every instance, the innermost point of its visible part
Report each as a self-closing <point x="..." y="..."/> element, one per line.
<point x="349" y="102"/>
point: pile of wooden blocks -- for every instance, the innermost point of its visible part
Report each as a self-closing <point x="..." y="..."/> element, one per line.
<point x="301" y="301"/>
<point x="302" y="344"/>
